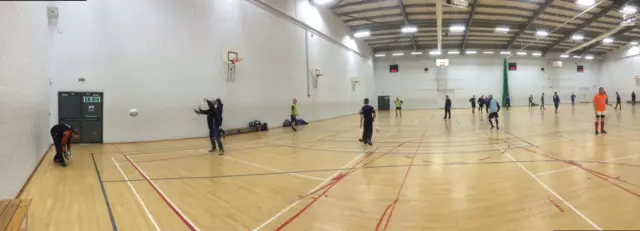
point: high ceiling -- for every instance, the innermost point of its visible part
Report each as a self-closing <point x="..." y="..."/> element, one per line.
<point x="384" y="18"/>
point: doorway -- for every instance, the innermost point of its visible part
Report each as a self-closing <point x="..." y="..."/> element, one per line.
<point x="83" y="111"/>
<point x="384" y="103"/>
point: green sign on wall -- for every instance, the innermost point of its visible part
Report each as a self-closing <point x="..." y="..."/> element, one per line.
<point x="91" y="99"/>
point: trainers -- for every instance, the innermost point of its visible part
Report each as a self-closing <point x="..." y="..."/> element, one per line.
<point x="294" y="129"/>
<point x="370" y="144"/>
<point x="603" y="131"/>
<point x="597" y="133"/>
<point x="221" y="152"/>
<point x="212" y="150"/>
<point x="360" y="140"/>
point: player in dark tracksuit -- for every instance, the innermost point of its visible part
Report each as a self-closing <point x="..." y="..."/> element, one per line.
<point x="618" y="101"/>
<point x="542" y="102"/>
<point x="367" y="116"/>
<point x="633" y="98"/>
<point x="214" y="121"/>
<point x="480" y="103"/>
<point x="473" y="104"/>
<point x="62" y="134"/>
<point x="447" y="108"/>
<point x="556" y="101"/>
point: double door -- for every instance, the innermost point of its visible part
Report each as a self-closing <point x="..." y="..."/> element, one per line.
<point x="83" y="111"/>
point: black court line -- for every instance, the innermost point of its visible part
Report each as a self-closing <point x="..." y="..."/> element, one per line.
<point x="104" y="194"/>
<point x="373" y="167"/>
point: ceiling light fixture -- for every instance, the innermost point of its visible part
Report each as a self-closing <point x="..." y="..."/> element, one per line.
<point x="607" y="40"/>
<point x="564" y="56"/>
<point x="629" y="9"/>
<point x="536" y="54"/>
<point x="542" y="33"/>
<point x="409" y="29"/>
<point x="577" y="37"/>
<point x="521" y="53"/>
<point x="457" y="28"/>
<point x="416" y="53"/>
<point x="586" y="2"/>
<point x="362" y="34"/>
<point x="321" y="2"/>
<point x="470" y="52"/>
<point x="633" y="43"/>
<point x="502" y="29"/>
<point x="505" y="52"/>
<point x="435" y="52"/>
<point x="397" y="54"/>
<point x="577" y="57"/>
<point x="381" y="55"/>
<point x="488" y="52"/>
<point x="589" y="57"/>
<point x="453" y="52"/>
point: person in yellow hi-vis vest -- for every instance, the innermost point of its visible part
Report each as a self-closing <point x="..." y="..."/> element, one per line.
<point x="398" y="106"/>
<point x="294" y="114"/>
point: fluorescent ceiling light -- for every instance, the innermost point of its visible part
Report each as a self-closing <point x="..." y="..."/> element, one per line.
<point x="488" y="52"/>
<point x="456" y="28"/>
<point x="470" y="52"/>
<point x="521" y="53"/>
<point x="322" y="2"/>
<point x="629" y="9"/>
<point x="381" y="55"/>
<point x="536" y="54"/>
<point x="453" y="52"/>
<point x="505" y="52"/>
<point x="409" y="29"/>
<point x="634" y="43"/>
<point x="586" y="2"/>
<point x="577" y="56"/>
<point x="435" y="52"/>
<point x="607" y="40"/>
<point x="577" y="37"/>
<point x="397" y="54"/>
<point x="362" y="34"/>
<point x="589" y="57"/>
<point x="542" y="33"/>
<point x="416" y="53"/>
<point x="564" y="56"/>
<point x="502" y="29"/>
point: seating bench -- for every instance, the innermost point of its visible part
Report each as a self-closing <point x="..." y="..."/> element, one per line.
<point x="13" y="213"/>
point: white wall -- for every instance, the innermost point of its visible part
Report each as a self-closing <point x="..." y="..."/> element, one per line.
<point x="162" y="56"/>
<point x="24" y="118"/>
<point x="619" y="70"/>
<point x="481" y="75"/>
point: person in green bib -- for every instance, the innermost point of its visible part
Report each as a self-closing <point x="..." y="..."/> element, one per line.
<point x="398" y="106"/>
<point x="294" y="114"/>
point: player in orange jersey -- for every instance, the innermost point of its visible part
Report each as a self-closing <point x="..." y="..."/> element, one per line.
<point x="600" y="107"/>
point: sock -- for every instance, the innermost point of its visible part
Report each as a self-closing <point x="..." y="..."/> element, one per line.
<point x="601" y="125"/>
<point x="596" y="125"/>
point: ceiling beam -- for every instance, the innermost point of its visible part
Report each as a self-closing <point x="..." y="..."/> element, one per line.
<point x="451" y="46"/>
<point x="369" y="19"/>
<point x="585" y="24"/>
<point x="533" y="18"/>
<point x="468" y="28"/>
<point x="595" y="44"/>
<point x="357" y="4"/>
<point x="406" y="21"/>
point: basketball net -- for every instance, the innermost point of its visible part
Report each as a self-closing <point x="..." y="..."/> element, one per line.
<point x="236" y="60"/>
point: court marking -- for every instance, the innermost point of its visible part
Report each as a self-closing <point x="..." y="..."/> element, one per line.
<point x="164" y="197"/>
<point x="144" y="206"/>
<point x="395" y="202"/>
<point x="104" y="194"/>
<point x="310" y="191"/>
<point x="568" y="168"/>
<point x="273" y="169"/>
<point x="551" y="191"/>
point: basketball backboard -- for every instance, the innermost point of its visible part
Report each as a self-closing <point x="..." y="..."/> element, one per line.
<point x="232" y="55"/>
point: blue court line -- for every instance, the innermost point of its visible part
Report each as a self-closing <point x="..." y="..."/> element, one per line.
<point x="104" y="193"/>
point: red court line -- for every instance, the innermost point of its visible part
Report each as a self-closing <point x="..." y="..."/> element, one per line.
<point x="329" y="186"/>
<point x="162" y="196"/>
<point x="393" y="204"/>
<point x="382" y="217"/>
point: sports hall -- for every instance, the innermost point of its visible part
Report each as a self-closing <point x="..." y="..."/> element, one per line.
<point x="115" y="114"/>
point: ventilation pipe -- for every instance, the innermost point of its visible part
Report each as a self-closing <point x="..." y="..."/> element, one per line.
<point x="439" y="22"/>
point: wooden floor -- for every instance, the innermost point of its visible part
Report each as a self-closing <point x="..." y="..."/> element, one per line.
<point x="541" y="171"/>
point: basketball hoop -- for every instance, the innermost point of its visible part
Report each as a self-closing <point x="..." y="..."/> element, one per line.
<point x="236" y="60"/>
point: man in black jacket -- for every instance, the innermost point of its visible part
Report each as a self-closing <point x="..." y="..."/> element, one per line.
<point x="447" y="108"/>
<point x="214" y="120"/>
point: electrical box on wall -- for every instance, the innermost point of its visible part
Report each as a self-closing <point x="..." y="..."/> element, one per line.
<point x="394" y="68"/>
<point x="580" y="68"/>
<point x="426" y="69"/>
